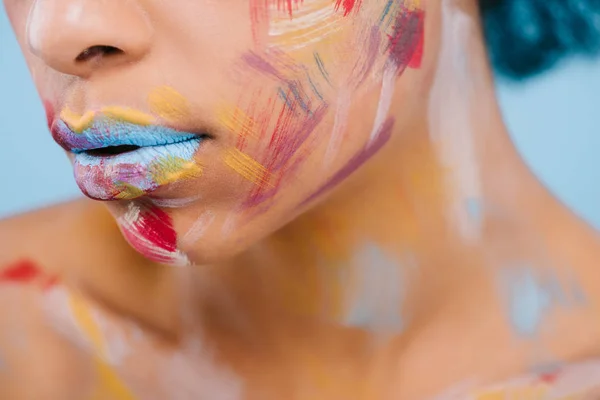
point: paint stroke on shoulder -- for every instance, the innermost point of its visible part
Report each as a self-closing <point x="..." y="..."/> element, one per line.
<point x="532" y="296"/>
<point x="26" y="271"/>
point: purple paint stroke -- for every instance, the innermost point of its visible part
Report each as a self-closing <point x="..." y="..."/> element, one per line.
<point x="364" y="65"/>
<point x="286" y="141"/>
<point x="276" y="66"/>
<point x="405" y="38"/>
<point x="384" y="134"/>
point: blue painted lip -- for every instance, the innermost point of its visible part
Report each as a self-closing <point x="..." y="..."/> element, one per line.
<point x="105" y="133"/>
<point x="103" y="173"/>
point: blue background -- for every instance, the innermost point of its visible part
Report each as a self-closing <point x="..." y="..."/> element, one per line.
<point x="554" y="120"/>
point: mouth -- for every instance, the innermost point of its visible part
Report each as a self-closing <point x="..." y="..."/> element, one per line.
<point x="118" y="160"/>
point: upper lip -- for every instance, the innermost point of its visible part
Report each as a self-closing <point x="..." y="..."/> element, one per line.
<point x="105" y="132"/>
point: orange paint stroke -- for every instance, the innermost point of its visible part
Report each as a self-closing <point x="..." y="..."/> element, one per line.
<point x="247" y="167"/>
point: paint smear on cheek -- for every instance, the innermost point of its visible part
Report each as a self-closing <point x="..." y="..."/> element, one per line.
<point x="150" y="231"/>
<point x="347" y="5"/>
<point x="247" y="167"/>
<point x="169" y="104"/>
<point x="356" y="162"/>
<point x="406" y="40"/>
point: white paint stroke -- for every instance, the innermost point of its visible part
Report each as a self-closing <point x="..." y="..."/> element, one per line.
<point x="450" y="122"/>
<point x="199" y="227"/>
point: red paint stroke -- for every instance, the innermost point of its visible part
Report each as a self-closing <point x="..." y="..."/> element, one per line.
<point x="152" y="234"/>
<point x="417" y="58"/>
<point x="49" y="282"/>
<point x="27" y="272"/>
<point x="347" y="5"/>
<point x="406" y="37"/>
<point x="50" y="113"/>
<point x="259" y="19"/>
<point x="24" y="271"/>
<point x="549" y="377"/>
<point x="355" y="162"/>
<point x="287" y="5"/>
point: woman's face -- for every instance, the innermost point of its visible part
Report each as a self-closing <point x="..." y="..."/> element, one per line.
<point x="209" y="124"/>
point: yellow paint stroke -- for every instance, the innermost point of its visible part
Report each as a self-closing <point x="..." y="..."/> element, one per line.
<point x="247" y="167"/>
<point x="169" y="104"/>
<point x="128" y="191"/>
<point x="128" y="115"/>
<point x="110" y="385"/>
<point x="412" y="5"/>
<point x="170" y="169"/>
<point x="237" y="121"/>
<point x="77" y="122"/>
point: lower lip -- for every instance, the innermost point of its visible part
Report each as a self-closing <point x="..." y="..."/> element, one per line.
<point x="136" y="173"/>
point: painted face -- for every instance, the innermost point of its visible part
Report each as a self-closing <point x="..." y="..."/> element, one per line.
<point x="210" y="124"/>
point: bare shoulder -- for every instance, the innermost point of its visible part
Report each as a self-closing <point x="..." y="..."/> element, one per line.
<point x="46" y="236"/>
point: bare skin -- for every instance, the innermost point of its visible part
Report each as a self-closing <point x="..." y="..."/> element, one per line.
<point x="455" y="312"/>
<point x="269" y="323"/>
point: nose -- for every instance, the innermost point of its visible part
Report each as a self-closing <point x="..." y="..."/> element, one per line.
<point x="79" y="37"/>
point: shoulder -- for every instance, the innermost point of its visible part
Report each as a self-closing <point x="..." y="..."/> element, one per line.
<point x="45" y="237"/>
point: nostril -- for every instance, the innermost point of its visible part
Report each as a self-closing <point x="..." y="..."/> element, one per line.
<point x="98" y="51"/>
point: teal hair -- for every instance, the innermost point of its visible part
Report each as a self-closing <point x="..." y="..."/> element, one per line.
<point x="528" y="37"/>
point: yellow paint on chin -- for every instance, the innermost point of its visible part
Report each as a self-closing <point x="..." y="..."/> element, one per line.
<point x="128" y="191"/>
<point x="247" y="167"/>
<point x="109" y="385"/>
<point x="169" y="104"/>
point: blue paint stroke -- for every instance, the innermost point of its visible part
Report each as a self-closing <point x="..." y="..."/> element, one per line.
<point x="529" y="301"/>
<point x="533" y="295"/>
<point x="321" y="67"/>
<point x="379" y="294"/>
<point x="475" y="209"/>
